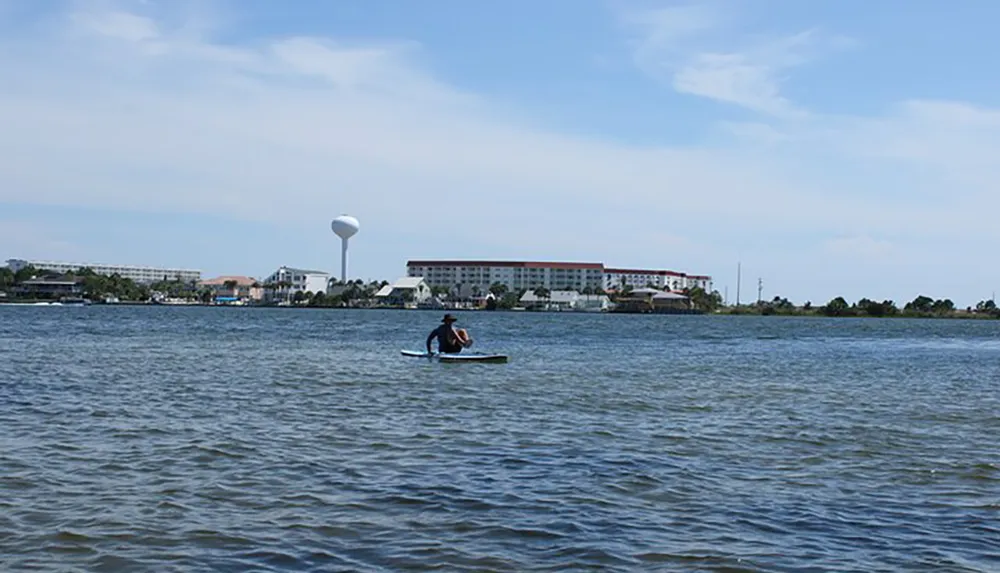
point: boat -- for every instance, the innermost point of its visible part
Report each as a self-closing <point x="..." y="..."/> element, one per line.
<point x="463" y="357"/>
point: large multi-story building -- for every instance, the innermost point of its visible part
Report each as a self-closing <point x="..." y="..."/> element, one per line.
<point x="704" y="282"/>
<point x="525" y="275"/>
<point x="664" y="280"/>
<point x="638" y="278"/>
<point x="515" y="275"/>
<point x="139" y="274"/>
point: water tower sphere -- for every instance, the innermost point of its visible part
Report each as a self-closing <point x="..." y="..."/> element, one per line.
<point x="345" y="226"/>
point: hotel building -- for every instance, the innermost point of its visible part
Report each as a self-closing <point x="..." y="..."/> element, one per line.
<point x="638" y="278"/>
<point x="663" y="280"/>
<point x="527" y="275"/>
<point x="515" y="275"/>
<point x="144" y="275"/>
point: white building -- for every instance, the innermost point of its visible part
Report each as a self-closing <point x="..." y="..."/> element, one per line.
<point x="465" y="277"/>
<point x="139" y="274"/>
<point x="566" y="300"/>
<point x="641" y="278"/>
<point x="405" y="290"/>
<point x="702" y="281"/>
<point x="286" y="281"/>
<point x="556" y="300"/>
<point x="515" y="275"/>
<point x="592" y="303"/>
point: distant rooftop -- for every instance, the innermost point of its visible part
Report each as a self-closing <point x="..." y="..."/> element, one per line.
<point x="511" y="264"/>
<point x="38" y="263"/>
<point x="648" y="272"/>
<point x="304" y="271"/>
<point x="219" y="281"/>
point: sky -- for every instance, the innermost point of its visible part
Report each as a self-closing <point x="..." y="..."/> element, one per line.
<point x="829" y="148"/>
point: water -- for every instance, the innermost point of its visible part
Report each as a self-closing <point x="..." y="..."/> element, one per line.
<point x="236" y="439"/>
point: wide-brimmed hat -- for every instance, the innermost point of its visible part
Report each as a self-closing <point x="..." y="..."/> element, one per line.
<point x="448" y="318"/>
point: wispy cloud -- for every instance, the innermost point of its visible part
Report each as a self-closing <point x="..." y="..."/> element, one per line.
<point x="696" y="50"/>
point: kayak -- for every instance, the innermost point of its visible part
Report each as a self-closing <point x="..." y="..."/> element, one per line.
<point x="463" y="357"/>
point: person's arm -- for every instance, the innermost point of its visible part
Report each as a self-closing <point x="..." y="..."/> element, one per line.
<point x="430" y="337"/>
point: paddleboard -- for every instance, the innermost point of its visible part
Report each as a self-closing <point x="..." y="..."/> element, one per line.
<point x="463" y="357"/>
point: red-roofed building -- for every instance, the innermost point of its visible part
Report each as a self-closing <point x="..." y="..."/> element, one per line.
<point x="639" y="278"/>
<point x="515" y="275"/>
<point x="478" y="275"/>
<point x="229" y="288"/>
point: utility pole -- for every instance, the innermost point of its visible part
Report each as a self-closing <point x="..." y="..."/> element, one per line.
<point x="738" y="270"/>
<point x="760" y="288"/>
<point x="725" y="296"/>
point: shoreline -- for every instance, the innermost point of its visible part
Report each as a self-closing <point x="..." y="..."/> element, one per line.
<point x="729" y="312"/>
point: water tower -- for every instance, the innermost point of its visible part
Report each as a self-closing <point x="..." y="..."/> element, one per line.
<point x="345" y="227"/>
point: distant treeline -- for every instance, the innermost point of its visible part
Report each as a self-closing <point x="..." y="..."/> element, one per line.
<point x="920" y="307"/>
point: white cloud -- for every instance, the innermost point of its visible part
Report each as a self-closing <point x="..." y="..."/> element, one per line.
<point x="118" y="25"/>
<point x="694" y="49"/>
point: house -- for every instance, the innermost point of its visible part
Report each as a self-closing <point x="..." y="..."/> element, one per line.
<point x="556" y="300"/>
<point x="652" y="300"/>
<point x="49" y="288"/>
<point x="592" y="303"/>
<point x="285" y="283"/>
<point x="670" y="301"/>
<point x="405" y="290"/>
<point x="234" y="289"/>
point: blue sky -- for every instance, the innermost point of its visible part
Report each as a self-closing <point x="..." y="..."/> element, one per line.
<point x="833" y="147"/>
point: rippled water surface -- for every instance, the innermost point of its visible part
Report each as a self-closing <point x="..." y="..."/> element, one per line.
<point x="228" y="439"/>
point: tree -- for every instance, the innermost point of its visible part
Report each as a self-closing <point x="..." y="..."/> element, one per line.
<point x="299" y="297"/>
<point x="498" y="289"/>
<point x="205" y="295"/>
<point x="943" y="306"/>
<point x="986" y="306"/>
<point x="877" y="309"/>
<point x="701" y="300"/>
<point x="509" y="300"/>
<point x="920" y="304"/>
<point x="782" y="304"/>
<point x="543" y="294"/>
<point x="6" y="277"/>
<point x="25" y="274"/>
<point x="319" y="298"/>
<point x="352" y="293"/>
<point x="836" y="307"/>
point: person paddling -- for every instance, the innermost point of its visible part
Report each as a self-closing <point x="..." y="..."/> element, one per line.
<point x="451" y="340"/>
